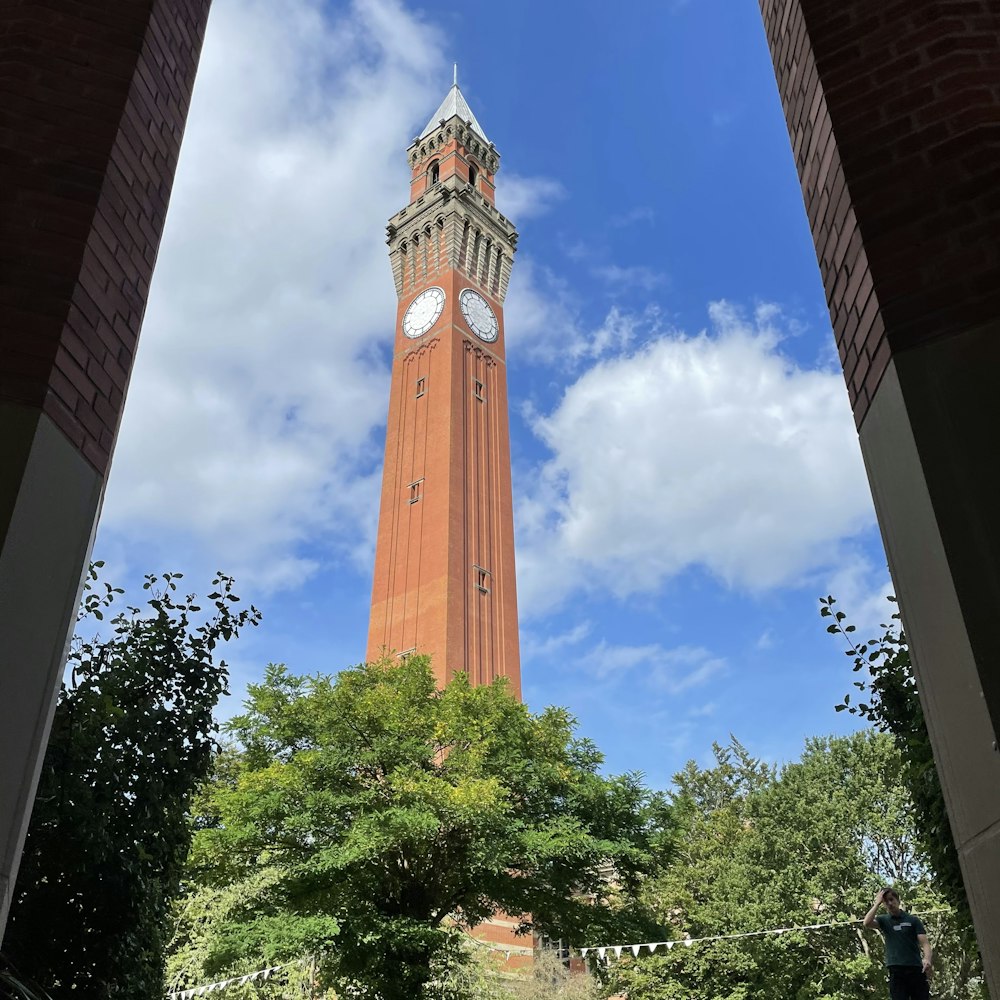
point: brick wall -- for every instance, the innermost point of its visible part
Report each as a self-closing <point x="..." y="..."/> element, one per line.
<point x="93" y="99"/>
<point x="893" y="110"/>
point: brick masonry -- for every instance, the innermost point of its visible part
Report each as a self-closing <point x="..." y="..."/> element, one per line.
<point x="444" y="580"/>
<point x="95" y="94"/>
<point x="893" y="111"/>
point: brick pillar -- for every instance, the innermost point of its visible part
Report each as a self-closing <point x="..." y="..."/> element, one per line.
<point x="893" y="110"/>
<point x="93" y="99"/>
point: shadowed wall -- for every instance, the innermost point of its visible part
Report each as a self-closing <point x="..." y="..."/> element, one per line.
<point x="893" y="111"/>
<point x="93" y="100"/>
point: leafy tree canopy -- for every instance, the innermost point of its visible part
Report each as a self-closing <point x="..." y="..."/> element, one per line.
<point x="131" y="739"/>
<point x="759" y="848"/>
<point x="370" y="817"/>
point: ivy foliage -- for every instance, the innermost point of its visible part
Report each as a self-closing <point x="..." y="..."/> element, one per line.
<point x="131" y="739"/>
<point x="889" y="700"/>
<point x="372" y="818"/>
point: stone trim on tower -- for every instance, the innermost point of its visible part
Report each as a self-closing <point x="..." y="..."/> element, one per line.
<point x="439" y="231"/>
<point x="444" y="564"/>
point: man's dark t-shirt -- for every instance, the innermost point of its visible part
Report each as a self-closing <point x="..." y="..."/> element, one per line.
<point x="900" y="933"/>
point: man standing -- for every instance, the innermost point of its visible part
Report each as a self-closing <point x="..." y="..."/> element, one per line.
<point x="907" y="950"/>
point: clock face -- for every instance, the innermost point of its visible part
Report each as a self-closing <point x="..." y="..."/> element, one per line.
<point x="478" y="314"/>
<point x="423" y="312"/>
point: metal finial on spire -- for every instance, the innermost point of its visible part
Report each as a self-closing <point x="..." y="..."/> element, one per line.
<point x="453" y="104"/>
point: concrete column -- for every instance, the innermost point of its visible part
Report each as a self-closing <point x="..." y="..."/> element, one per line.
<point x="95" y="95"/>
<point x="49" y="529"/>
<point x="893" y="111"/>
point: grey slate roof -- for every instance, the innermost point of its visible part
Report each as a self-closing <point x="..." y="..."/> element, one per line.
<point x="453" y="104"/>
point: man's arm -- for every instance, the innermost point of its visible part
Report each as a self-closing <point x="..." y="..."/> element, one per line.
<point x="925" y="945"/>
<point x="869" y="920"/>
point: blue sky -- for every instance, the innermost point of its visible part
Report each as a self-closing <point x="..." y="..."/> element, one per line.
<point x="686" y="471"/>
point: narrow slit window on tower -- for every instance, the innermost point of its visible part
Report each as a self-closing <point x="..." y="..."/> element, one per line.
<point x="463" y="252"/>
<point x="477" y="390"/>
<point x="416" y="489"/>
<point x="473" y="174"/>
<point x="435" y="172"/>
<point x="484" y="277"/>
<point x="421" y="386"/>
<point x="496" y="273"/>
<point x="482" y="578"/>
<point x="473" y="264"/>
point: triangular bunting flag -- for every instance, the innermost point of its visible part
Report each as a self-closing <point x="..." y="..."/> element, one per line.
<point x="600" y="952"/>
<point x="687" y="942"/>
<point x="653" y="946"/>
<point x="635" y="949"/>
<point x="583" y="952"/>
<point x="668" y="945"/>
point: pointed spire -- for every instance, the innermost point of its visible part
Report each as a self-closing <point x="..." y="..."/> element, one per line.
<point x="453" y="104"/>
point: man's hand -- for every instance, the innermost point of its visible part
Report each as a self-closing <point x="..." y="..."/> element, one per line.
<point x="869" y="920"/>
<point x="927" y="969"/>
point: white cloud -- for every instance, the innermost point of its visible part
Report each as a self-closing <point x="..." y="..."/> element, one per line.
<point x="703" y="711"/>
<point x="626" y="278"/>
<point x="673" y="671"/>
<point x="540" y="314"/>
<point x="248" y="434"/>
<point x="641" y="213"/>
<point x="712" y="451"/>
<point x="522" y="198"/>
<point x="765" y="640"/>
<point x="535" y="647"/>
<point x="543" y="324"/>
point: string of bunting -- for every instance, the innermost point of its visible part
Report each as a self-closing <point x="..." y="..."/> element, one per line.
<point x="603" y="950"/>
<point x="259" y="975"/>
<point x="264" y="974"/>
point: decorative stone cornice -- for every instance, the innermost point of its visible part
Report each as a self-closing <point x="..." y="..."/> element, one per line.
<point x="462" y="132"/>
<point x="452" y="225"/>
<point x="452" y="195"/>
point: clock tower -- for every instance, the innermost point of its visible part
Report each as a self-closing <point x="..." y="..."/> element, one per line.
<point x="444" y="558"/>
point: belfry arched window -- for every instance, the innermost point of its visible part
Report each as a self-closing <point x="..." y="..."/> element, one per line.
<point x="435" y="172"/>
<point x="473" y="174"/>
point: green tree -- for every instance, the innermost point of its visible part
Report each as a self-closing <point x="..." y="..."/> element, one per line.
<point x="758" y="849"/>
<point x="478" y="975"/>
<point x="369" y="817"/>
<point x="890" y="701"/>
<point x="131" y="739"/>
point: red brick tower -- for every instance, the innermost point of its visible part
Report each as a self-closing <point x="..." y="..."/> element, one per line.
<point x="444" y="561"/>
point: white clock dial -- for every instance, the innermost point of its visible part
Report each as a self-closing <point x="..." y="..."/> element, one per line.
<point x="478" y="314"/>
<point x="423" y="312"/>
